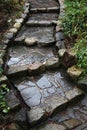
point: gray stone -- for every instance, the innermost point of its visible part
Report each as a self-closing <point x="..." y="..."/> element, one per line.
<point x="13" y="30"/>
<point x="51" y="90"/>
<point x="17" y="25"/>
<point x="60" y="44"/>
<point x="59" y="36"/>
<point x="20" y="20"/>
<point x="73" y="93"/>
<point x="24" y="16"/>
<point x="35" y="115"/>
<point x="12" y="101"/>
<point x="43" y="83"/>
<point x="72" y="123"/>
<point x="51" y="126"/>
<point x="32" y="96"/>
<point x="52" y="63"/>
<point x="9" y="35"/>
<point x="43" y="34"/>
<point x="17" y="70"/>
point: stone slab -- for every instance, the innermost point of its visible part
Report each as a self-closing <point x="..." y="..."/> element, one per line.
<point x="23" y="59"/>
<point x="43" y="16"/>
<point x="44" y="35"/>
<point x="46" y="92"/>
<point x="43" y="4"/>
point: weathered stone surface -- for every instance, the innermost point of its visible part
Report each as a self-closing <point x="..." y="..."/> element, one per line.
<point x="23" y="58"/>
<point x="13" y="30"/>
<point x="44" y="35"/>
<point x="54" y="9"/>
<point x="11" y="100"/>
<point x="60" y="44"/>
<point x="43" y="17"/>
<point x="83" y="83"/>
<point x="3" y="79"/>
<point x="51" y="126"/>
<point x="36" y="68"/>
<point x="72" y="123"/>
<point x="73" y="93"/>
<point x="68" y="59"/>
<point x="19" y="20"/>
<point x="59" y="36"/>
<point x="52" y="63"/>
<point x="9" y="35"/>
<point x="49" y="92"/>
<point x="30" y="41"/>
<point x="43" y="4"/>
<point x="74" y="71"/>
<point x="61" y="52"/>
<point x="17" y="25"/>
<point x="32" y="96"/>
<point x="35" y="115"/>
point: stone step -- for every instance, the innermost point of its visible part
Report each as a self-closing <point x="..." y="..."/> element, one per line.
<point x="46" y="95"/>
<point x="43" y="16"/>
<point x="41" y="23"/>
<point x="31" y="61"/>
<point x="41" y="36"/>
<point x="82" y="127"/>
<point x="43" y="3"/>
<point x="45" y="10"/>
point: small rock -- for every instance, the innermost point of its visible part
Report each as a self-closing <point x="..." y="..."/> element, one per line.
<point x="19" y="20"/>
<point x="9" y="35"/>
<point x="30" y="41"/>
<point x="11" y="100"/>
<point x="61" y="52"/>
<point x="13" y="30"/>
<point x="17" y="25"/>
<point x="52" y="63"/>
<point x="60" y="44"/>
<point x="3" y="79"/>
<point x="59" y="36"/>
<point x="72" y="123"/>
<point x="35" y="115"/>
<point x="36" y="68"/>
<point x="74" y="71"/>
<point x="69" y="58"/>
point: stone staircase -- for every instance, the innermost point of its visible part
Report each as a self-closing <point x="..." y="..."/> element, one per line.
<point x="33" y="65"/>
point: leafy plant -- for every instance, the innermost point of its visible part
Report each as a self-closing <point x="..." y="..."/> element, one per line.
<point x="3" y="106"/>
<point x="75" y="27"/>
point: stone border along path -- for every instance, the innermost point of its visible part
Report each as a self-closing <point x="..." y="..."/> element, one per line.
<point x="33" y="66"/>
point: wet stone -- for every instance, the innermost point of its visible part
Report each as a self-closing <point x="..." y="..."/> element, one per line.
<point x="44" y="35"/>
<point x="24" y="58"/>
<point x="43" y="83"/>
<point x="43" y="4"/>
<point x="59" y="36"/>
<point x="31" y="96"/>
<point x="44" y="16"/>
<point x="49" y="92"/>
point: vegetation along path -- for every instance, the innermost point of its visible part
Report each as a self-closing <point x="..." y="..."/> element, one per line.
<point x="44" y="93"/>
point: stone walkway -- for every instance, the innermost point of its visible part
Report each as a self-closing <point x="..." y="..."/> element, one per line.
<point x="33" y="67"/>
